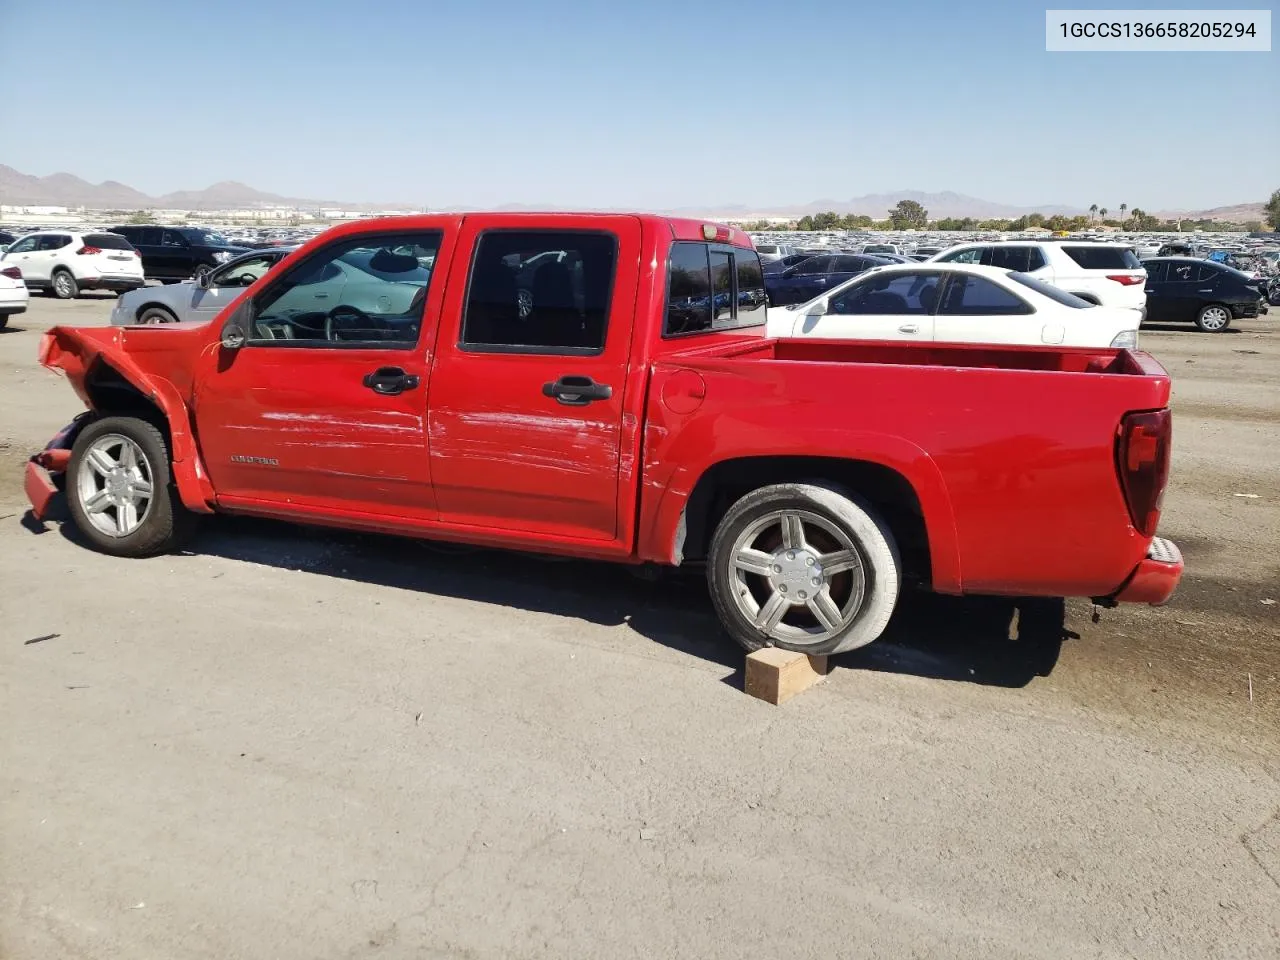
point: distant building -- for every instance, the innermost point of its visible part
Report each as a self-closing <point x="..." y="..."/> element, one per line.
<point x="36" y="211"/>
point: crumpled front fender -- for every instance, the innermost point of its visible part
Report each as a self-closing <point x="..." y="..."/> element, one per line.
<point x="143" y="361"/>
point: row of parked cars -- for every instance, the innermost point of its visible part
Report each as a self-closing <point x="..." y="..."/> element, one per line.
<point x="1081" y="293"/>
<point x="1105" y="275"/>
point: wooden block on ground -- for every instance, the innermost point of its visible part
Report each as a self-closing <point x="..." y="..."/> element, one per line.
<point x="775" y="676"/>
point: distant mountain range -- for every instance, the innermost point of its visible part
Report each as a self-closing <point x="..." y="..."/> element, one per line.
<point x="65" y="189"/>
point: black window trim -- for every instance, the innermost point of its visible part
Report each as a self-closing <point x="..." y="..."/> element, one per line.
<point x="465" y="347"/>
<point x="733" y="324"/>
<point x="388" y="345"/>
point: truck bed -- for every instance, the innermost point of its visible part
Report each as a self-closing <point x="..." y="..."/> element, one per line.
<point x="1011" y="451"/>
<point x="953" y="355"/>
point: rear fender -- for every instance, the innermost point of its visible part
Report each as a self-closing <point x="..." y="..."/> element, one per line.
<point x="664" y="524"/>
<point x="78" y="352"/>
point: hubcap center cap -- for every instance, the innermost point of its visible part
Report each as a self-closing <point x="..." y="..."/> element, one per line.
<point x="793" y="573"/>
<point x="118" y="484"/>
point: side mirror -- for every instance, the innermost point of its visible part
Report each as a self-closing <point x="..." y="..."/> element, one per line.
<point x="203" y="280"/>
<point x="819" y="309"/>
<point x="233" y="335"/>
<point x="235" y="332"/>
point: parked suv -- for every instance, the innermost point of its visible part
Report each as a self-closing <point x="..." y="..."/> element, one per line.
<point x="66" y="263"/>
<point x="179" y="253"/>
<point x="1106" y="274"/>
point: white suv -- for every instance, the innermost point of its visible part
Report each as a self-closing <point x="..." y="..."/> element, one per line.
<point x="1107" y="274"/>
<point x="66" y="263"/>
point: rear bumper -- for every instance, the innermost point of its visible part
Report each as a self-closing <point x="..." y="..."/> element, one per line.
<point x="1155" y="579"/>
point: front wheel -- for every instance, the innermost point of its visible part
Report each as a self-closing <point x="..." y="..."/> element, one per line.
<point x="120" y="490"/>
<point x="1214" y="318"/>
<point x="803" y="567"/>
<point x="153" y="315"/>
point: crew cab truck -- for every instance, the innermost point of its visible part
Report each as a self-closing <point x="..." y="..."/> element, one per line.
<point x="620" y="402"/>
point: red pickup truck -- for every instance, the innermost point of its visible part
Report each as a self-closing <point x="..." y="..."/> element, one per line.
<point x="600" y="386"/>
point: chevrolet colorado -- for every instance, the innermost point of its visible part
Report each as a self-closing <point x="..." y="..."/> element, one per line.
<point x="600" y="386"/>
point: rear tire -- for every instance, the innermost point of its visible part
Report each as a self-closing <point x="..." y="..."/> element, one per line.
<point x="64" y="285"/>
<point x="804" y="567"/>
<point x="120" y="489"/>
<point x="1214" y="318"/>
<point x="4" y="320"/>
<point x="153" y="315"/>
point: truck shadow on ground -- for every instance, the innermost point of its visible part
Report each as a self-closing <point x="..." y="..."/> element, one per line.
<point x="995" y="641"/>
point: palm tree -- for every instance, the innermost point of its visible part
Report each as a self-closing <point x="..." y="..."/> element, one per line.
<point x="1102" y="212"/>
<point x="1123" y="208"/>
<point x="1093" y="210"/>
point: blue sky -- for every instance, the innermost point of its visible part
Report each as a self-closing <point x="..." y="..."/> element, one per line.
<point x="658" y="104"/>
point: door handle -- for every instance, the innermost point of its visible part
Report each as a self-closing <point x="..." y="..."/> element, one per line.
<point x="389" y="381"/>
<point x="909" y="328"/>
<point x="575" y="391"/>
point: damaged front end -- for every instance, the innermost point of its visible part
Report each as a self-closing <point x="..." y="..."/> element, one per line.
<point x="46" y="472"/>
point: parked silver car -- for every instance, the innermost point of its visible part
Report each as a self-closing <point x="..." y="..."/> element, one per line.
<point x="196" y="300"/>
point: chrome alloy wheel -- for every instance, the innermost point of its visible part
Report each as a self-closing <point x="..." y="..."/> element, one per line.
<point x="114" y="485"/>
<point x="798" y="577"/>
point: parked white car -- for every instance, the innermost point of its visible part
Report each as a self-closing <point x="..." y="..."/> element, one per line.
<point x="955" y="303"/>
<point x="65" y="263"/>
<point x="13" y="293"/>
<point x="1108" y="274"/>
<point x="769" y="252"/>
<point x="196" y="300"/>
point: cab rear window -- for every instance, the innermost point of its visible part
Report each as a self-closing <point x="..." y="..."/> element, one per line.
<point x="713" y="287"/>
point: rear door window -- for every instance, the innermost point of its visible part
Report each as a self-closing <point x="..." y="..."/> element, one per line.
<point x="1103" y="257"/>
<point x="713" y="287"/>
<point x="539" y="291"/>
<point x="172" y="238"/>
<point x="1184" y="272"/>
<point x="970" y="296"/>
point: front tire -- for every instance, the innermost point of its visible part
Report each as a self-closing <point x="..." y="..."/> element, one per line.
<point x="153" y="315"/>
<point x="1214" y="318"/>
<point x="120" y="489"/>
<point x="804" y="567"/>
<point x="64" y="285"/>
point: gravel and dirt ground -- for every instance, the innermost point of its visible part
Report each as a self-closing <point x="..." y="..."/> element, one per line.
<point x="297" y="744"/>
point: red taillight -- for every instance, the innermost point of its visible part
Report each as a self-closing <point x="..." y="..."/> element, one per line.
<point x="87" y="251"/>
<point x="1142" y="457"/>
<point x="1126" y="279"/>
<point x="13" y="273"/>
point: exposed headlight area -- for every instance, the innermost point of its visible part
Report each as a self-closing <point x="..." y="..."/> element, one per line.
<point x="222" y="256"/>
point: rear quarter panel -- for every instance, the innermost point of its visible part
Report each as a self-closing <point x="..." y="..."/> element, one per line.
<point x="1015" y="469"/>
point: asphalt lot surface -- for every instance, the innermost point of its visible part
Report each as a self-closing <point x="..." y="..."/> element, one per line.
<point x="300" y="744"/>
